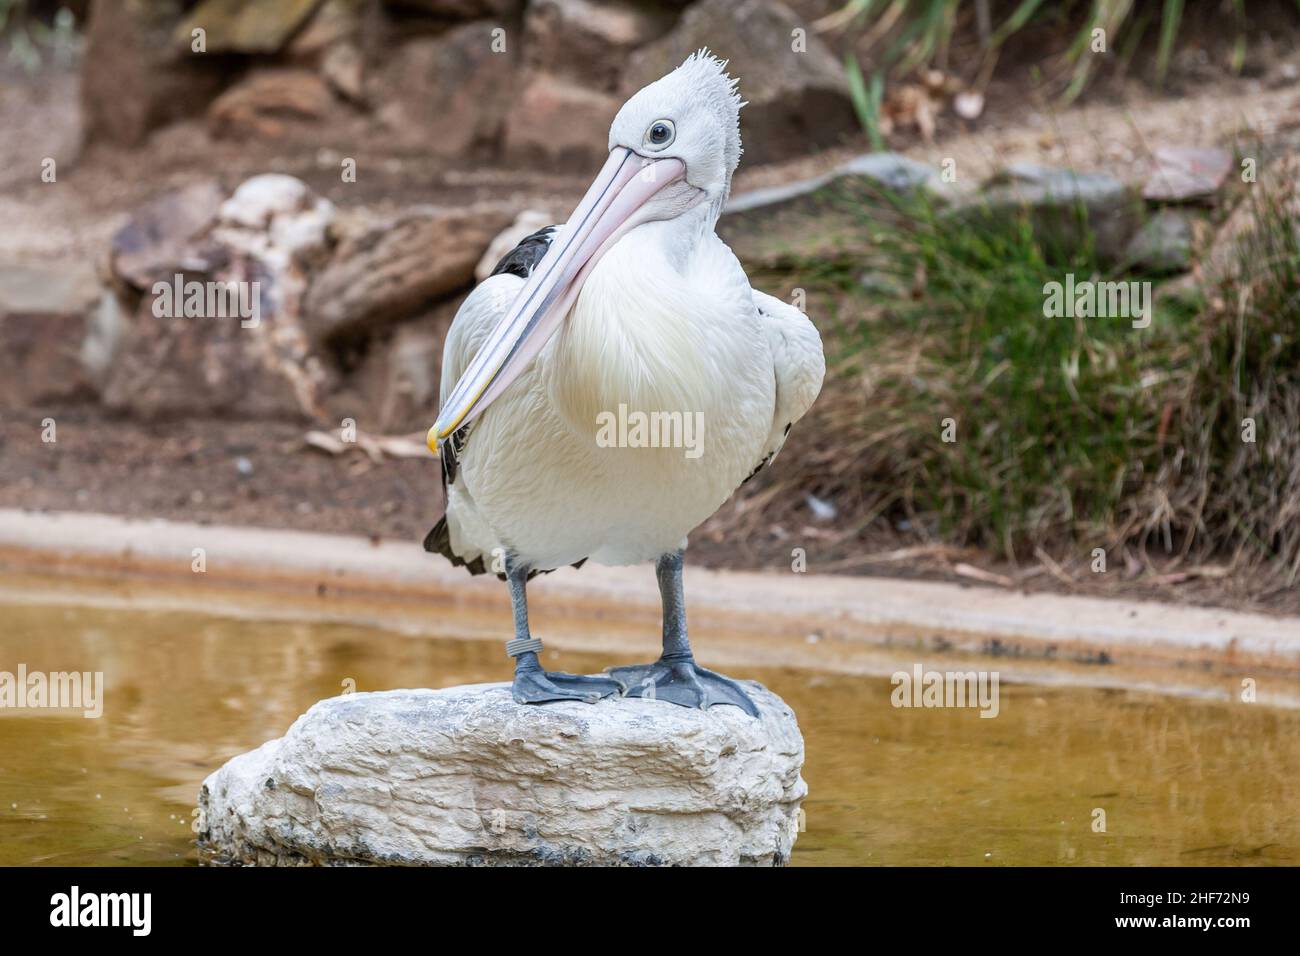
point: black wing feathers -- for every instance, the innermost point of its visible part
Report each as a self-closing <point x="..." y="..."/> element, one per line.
<point x="523" y="258"/>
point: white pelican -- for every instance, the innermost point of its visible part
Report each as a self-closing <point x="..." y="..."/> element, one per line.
<point x="633" y="307"/>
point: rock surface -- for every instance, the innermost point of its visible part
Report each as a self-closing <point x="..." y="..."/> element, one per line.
<point x="394" y="389"/>
<point x="1164" y="244"/>
<point x="134" y="78"/>
<point x="798" y="99"/>
<point x="589" y="41"/>
<point x="160" y="237"/>
<point x="1065" y="208"/>
<point x="180" y="360"/>
<point x="44" y="314"/>
<point x="392" y="268"/>
<point x="269" y="103"/>
<point x="562" y="121"/>
<point x="459" y="9"/>
<point x="449" y="94"/>
<point x="1186" y="173"/>
<point x="245" y="26"/>
<point x="828" y="216"/>
<point x="465" y="776"/>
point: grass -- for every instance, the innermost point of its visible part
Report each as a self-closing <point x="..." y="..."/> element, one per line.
<point x="1236" y="496"/>
<point x="901" y="37"/>
<point x="1071" y="433"/>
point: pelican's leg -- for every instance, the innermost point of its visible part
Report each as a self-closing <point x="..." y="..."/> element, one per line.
<point x="532" y="684"/>
<point x="675" y="677"/>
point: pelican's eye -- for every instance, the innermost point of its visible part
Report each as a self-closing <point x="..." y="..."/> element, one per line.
<point x="660" y="133"/>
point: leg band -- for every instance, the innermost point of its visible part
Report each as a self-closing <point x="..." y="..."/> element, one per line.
<point x="522" y="645"/>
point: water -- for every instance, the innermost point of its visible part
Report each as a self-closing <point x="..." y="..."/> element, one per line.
<point x="1181" y="781"/>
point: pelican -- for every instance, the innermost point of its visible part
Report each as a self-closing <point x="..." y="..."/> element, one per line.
<point x="615" y="380"/>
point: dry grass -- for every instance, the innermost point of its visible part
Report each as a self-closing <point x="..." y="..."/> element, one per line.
<point x="1072" y="434"/>
<point x="1218" y="492"/>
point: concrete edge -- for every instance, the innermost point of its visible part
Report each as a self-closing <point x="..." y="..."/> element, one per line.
<point x="786" y="608"/>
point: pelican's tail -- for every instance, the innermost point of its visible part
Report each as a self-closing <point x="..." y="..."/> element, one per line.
<point x="438" y="541"/>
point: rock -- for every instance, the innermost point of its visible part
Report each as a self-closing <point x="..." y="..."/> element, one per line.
<point x="798" y="101"/>
<point x="586" y="41"/>
<point x="449" y="94"/>
<point x="278" y="220"/>
<point x="942" y="194"/>
<point x="160" y="237"/>
<point x="525" y="224"/>
<point x="106" y="329"/>
<point x="410" y="398"/>
<point x="43" y="325"/>
<point x="1186" y="173"/>
<point x="1065" y="208"/>
<point x="133" y="79"/>
<point x="343" y="68"/>
<point x="395" y="389"/>
<point x="560" y="123"/>
<point x="1163" y="245"/>
<point x="393" y="268"/>
<point x="827" y="216"/>
<point x="334" y="22"/>
<point x="458" y="9"/>
<point x="268" y="102"/>
<point x="259" y="200"/>
<point x="333" y="42"/>
<point x="212" y="358"/>
<point x="880" y="171"/>
<point x="465" y="776"/>
<point x="58" y="289"/>
<point x="174" y="366"/>
<point x="244" y="26"/>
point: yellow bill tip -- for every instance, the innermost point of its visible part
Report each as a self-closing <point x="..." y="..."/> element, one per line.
<point x="432" y="440"/>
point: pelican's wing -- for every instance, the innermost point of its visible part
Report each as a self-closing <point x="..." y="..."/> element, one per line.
<point x="483" y="308"/>
<point x="477" y="316"/>
<point x="461" y="535"/>
<point x="798" y="364"/>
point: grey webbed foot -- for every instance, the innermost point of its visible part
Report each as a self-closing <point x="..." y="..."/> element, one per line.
<point x="683" y="682"/>
<point x="536" y="686"/>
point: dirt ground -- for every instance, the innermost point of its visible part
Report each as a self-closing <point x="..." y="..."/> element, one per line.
<point x="262" y="473"/>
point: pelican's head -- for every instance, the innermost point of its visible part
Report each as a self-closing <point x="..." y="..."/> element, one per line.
<point x="691" y="115"/>
<point x="672" y="146"/>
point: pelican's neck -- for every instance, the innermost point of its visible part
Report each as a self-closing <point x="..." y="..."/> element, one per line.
<point x="676" y="239"/>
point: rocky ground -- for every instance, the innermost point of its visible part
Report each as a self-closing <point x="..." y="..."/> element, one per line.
<point x="159" y="419"/>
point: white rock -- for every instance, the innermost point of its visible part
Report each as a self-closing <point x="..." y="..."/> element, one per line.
<point x="275" y="218"/>
<point x="305" y="233"/>
<point x="259" y="198"/>
<point x="466" y="776"/>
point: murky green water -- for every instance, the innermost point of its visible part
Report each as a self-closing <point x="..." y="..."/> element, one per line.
<point x="1180" y="781"/>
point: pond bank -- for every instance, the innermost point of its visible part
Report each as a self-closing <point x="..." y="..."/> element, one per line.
<point x="847" y="625"/>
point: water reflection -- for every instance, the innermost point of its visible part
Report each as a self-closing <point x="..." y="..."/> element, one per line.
<point x="1180" y="781"/>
